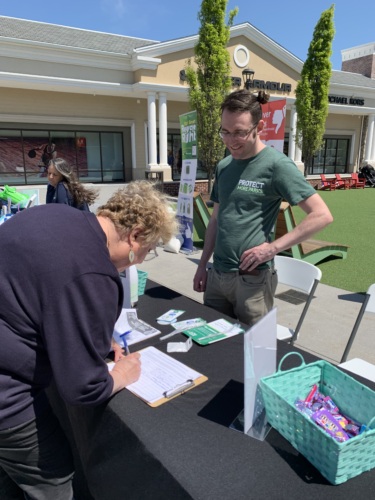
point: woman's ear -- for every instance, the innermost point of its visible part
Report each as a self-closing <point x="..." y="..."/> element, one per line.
<point x="134" y="235"/>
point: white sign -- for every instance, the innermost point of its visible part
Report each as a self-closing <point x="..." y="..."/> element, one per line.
<point x="260" y="361"/>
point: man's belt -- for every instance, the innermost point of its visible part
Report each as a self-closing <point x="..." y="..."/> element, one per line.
<point x="253" y="272"/>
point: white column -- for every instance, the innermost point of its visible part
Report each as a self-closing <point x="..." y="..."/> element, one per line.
<point x="152" y="144"/>
<point x="292" y="134"/>
<point x="298" y="154"/>
<point x="370" y="139"/>
<point x="163" y="130"/>
<point x="294" y="151"/>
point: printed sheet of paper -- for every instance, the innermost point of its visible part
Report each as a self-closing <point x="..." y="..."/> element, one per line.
<point x="128" y="321"/>
<point x="161" y="376"/>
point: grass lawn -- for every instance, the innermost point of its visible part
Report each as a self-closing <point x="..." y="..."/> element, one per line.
<point x="354" y="225"/>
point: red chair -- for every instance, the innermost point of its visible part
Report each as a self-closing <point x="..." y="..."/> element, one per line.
<point x="357" y="182"/>
<point x="343" y="183"/>
<point x="327" y="184"/>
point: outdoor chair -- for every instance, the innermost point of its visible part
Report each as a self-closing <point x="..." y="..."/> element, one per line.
<point x="310" y="250"/>
<point x="357" y="182"/>
<point x="357" y="365"/>
<point x="30" y="201"/>
<point x="327" y="184"/>
<point x="299" y="275"/>
<point x="342" y="183"/>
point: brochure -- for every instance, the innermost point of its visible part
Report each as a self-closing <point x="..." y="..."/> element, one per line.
<point x="215" y="331"/>
<point x="169" y="317"/>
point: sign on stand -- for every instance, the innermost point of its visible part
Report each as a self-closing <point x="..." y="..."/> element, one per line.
<point x="188" y="124"/>
<point x="259" y="361"/>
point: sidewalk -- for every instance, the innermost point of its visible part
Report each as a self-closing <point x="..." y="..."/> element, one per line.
<point x="327" y="325"/>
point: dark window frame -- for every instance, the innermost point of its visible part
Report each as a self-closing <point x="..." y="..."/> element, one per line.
<point x="22" y="174"/>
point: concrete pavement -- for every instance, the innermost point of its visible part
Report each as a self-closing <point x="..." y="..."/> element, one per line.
<point x="327" y="325"/>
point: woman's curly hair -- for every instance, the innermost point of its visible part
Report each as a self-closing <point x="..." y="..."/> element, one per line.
<point x="138" y="205"/>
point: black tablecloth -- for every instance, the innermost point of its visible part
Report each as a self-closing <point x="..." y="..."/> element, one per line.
<point x="185" y="448"/>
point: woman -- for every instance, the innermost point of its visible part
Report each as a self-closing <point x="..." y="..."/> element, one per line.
<point x="63" y="186"/>
<point x="61" y="296"/>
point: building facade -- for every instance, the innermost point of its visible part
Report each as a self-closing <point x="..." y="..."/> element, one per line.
<point x="110" y="104"/>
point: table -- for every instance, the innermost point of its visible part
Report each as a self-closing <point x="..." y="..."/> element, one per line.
<point x="184" y="449"/>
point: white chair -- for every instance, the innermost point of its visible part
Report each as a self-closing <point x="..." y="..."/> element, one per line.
<point x="299" y="275"/>
<point x="360" y="367"/>
<point x="30" y="201"/>
<point x="357" y="365"/>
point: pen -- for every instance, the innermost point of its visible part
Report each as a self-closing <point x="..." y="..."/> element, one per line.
<point x="123" y="338"/>
<point x="194" y="324"/>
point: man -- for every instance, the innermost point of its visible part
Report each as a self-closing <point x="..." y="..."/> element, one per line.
<point x="249" y="187"/>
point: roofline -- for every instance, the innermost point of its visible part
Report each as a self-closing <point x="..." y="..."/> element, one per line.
<point x="245" y="29"/>
<point x="79" y="29"/>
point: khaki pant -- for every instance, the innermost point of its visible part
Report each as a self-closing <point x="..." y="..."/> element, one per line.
<point x="245" y="297"/>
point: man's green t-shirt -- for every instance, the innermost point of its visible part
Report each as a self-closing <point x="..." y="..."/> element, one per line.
<point x="250" y="193"/>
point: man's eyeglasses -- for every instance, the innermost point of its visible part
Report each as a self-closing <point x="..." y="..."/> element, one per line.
<point x="238" y="134"/>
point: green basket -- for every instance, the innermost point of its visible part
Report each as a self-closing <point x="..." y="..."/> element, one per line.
<point x="336" y="461"/>
<point x="142" y="278"/>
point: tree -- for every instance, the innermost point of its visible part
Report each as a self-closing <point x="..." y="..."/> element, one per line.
<point x="210" y="82"/>
<point x="312" y="89"/>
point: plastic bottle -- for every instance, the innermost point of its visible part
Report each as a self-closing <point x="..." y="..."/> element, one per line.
<point x="129" y="280"/>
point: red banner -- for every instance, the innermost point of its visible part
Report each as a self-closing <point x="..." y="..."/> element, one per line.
<point x="274" y="114"/>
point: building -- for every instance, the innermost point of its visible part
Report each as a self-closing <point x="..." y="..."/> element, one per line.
<point x="110" y="104"/>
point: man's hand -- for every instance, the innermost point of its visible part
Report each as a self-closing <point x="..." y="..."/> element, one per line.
<point x="255" y="256"/>
<point x="200" y="280"/>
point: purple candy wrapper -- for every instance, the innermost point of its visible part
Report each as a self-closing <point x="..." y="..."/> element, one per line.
<point x="330" y="425"/>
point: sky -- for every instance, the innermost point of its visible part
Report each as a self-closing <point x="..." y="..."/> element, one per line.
<point x="290" y="24"/>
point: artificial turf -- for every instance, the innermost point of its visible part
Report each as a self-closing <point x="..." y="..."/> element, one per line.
<point x="354" y="225"/>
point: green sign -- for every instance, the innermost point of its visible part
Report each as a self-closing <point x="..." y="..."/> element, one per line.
<point x="188" y="124"/>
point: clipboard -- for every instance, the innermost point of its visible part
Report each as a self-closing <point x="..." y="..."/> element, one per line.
<point x="181" y="378"/>
<point x="178" y="391"/>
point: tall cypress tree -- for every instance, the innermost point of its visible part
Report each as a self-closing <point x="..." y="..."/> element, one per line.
<point x="312" y="89"/>
<point x="210" y="81"/>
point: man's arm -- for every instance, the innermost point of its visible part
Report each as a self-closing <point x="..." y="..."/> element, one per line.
<point x="318" y="216"/>
<point x="200" y="278"/>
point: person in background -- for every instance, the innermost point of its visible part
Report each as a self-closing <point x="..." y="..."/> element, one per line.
<point x="49" y="153"/>
<point x="63" y="186"/>
<point x="170" y="158"/>
<point x="249" y="186"/>
<point x="61" y="295"/>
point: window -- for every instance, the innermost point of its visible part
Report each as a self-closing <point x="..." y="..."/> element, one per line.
<point x="95" y="155"/>
<point x="175" y="156"/>
<point x="332" y="158"/>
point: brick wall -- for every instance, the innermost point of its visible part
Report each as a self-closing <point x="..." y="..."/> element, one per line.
<point x="171" y="188"/>
<point x="363" y="65"/>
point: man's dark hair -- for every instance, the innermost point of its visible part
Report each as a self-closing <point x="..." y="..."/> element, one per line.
<point x="242" y="101"/>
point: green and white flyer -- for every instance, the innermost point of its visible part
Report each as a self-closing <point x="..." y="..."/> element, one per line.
<point x="188" y="124"/>
<point x="215" y="331"/>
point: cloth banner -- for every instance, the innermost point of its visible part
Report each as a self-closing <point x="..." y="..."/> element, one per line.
<point x="188" y="125"/>
<point x="273" y="115"/>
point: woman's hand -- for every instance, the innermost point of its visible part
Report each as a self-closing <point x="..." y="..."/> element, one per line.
<point x="126" y="371"/>
<point x="118" y="352"/>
